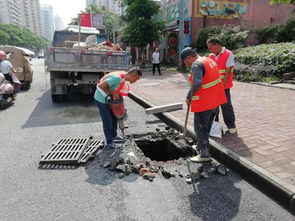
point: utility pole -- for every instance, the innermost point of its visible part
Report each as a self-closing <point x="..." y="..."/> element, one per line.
<point x="181" y="29"/>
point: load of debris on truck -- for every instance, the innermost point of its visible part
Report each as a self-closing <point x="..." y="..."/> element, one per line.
<point x="76" y="61"/>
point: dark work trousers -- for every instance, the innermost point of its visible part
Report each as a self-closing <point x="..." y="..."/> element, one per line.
<point x="202" y="125"/>
<point x="154" y="68"/>
<point x="8" y="77"/>
<point x="109" y="121"/>
<point x="227" y="111"/>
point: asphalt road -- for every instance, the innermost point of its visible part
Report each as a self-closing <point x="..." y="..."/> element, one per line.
<point x="33" y="123"/>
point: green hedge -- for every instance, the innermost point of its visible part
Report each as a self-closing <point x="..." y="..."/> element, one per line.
<point x="278" y="33"/>
<point x="231" y="37"/>
<point x="266" y="60"/>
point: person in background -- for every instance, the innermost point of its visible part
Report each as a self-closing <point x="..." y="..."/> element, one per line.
<point x="115" y="84"/>
<point x="156" y="61"/>
<point x="205" y="95"/>
<point x="225" y="62"/>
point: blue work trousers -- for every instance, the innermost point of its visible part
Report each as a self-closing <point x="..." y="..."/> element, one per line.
<point x="109" y="121"/>
<point x="202" y="126"/>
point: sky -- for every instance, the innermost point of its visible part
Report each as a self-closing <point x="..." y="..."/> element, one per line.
<point x="66" y="9"/>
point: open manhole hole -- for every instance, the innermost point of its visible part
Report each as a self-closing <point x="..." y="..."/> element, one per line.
<point x="164" y="149"/>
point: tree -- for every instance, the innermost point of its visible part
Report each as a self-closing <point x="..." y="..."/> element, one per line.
<point x="18" y="36"/>
<point x="142" y="27"/>
<point x="282" y="1"/>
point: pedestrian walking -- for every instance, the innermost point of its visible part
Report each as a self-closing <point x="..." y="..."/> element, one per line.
<point x="115" y="84"/>
<point x="205" y="95"/>
<point x="225" y="62"/>
<point x="156" y="61"/>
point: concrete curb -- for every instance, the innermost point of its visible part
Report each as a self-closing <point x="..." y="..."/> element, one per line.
<point x="270" y="85"/>
<point x="265" y="181"/>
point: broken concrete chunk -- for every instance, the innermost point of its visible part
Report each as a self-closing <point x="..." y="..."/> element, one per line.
<point x="221" y="169"/>
<point x="144" y="170"/>
<point x="131" y="154"/>
<point x="195" y="176"/>
<point x="187" y="175"/>
<point x="106" y="164"/>
<point x="167" y="174"/>
<point x="189" y="180"/>
<point x="114" y="163"/>
<point x="205" y="175"/>
<point x="120" y="168"/>
<point x="121" y="160"/>
<point x="212" y="170"/>
<point x="200" y="168"/>
<point x="149" y="176"/>
<point x="128" y="169"/>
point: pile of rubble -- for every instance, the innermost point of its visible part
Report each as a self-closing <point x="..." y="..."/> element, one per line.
<point x="129" y="158"/>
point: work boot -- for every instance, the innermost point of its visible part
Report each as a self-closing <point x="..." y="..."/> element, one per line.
<point x="118" y="139"/>
<point x="111" y="145"/>
<point x="232" y="130"/>
<point x="199" y="159"/>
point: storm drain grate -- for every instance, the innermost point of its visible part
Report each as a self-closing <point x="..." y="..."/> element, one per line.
<point x="66" y="151"/>
<point x="94" y="145"/>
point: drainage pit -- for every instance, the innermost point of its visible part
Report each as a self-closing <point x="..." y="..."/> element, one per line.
<point x="162" y="149"/>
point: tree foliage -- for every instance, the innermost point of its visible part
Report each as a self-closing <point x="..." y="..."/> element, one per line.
<point x="282" y="1"/>
<point x="142" y="26"/>
<point x="19" y="36"/>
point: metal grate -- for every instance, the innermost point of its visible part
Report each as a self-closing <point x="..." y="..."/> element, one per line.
<point x="94" y="145"/>
<point x="66" y="151"/>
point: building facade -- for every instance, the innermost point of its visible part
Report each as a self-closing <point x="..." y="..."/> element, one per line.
<point x="58" y="23"/>
<point x="25" y="13"/>
<point x="114" y="6"/>
<point x="47" y="21"/>
<point x="10" y="12"/>
<point x="200" y="14"/>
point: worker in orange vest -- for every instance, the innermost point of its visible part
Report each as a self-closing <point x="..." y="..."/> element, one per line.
<point x="225" y="62"/>
<point x="205" y="95"/>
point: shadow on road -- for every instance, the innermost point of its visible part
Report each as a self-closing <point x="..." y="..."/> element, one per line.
<point x="219" y="199"/>
<point x="80" y="109"/>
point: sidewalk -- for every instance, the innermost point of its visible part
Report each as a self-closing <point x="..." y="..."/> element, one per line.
<point x="265" y="119"/>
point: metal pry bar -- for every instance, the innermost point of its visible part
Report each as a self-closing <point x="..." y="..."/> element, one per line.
<point x="164" y="108"/>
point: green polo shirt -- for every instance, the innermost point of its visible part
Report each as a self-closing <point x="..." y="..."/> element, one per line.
<point x="113" y="82"/>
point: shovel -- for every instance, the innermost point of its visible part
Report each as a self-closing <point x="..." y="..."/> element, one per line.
<point x="185" y="122"/>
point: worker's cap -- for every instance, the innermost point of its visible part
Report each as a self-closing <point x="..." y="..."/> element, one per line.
<point x="186" y="52"/>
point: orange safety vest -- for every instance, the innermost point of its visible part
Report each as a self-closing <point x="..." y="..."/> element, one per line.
<point x="221" y="64"/>
<point x="211" y="93"/>
<point x="123" y="88"/>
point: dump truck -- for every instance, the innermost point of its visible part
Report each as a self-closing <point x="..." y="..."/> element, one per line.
<point x="79" y="68"/>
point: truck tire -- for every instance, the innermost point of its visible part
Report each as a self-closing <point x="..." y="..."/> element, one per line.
<point x="59" y="98"/>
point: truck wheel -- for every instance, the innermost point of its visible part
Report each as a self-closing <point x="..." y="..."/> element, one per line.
<point x="59" y="97"/>
<point x="55" y="98"/>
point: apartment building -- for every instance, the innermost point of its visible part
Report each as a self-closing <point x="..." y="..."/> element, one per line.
<point x="10" y="12"/>
<point x="47" y="21"/>
<point x="114" y="6"/>
<point x="59" y="24"/>
<point x="25" y="13"/>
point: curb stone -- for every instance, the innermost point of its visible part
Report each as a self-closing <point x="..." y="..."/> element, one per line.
<point x="264" y="180"/>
